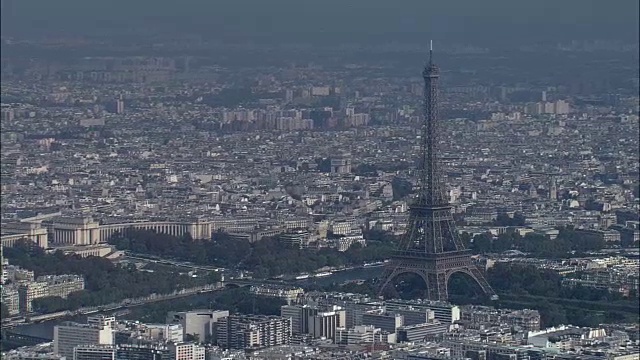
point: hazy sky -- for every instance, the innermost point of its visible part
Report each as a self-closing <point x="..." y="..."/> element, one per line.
<point x="472" y="21"/>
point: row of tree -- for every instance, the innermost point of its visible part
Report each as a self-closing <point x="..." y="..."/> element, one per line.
<point x="542" y="289"/>
<point x="267" y="257"/>
<point x="105" y="282"/>
<point x="568" y="241"/>
<point x="238" y="300"/>
<point x="270" y="257"/>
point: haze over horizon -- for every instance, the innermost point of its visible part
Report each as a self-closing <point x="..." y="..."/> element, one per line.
<point x="486" y="23"/>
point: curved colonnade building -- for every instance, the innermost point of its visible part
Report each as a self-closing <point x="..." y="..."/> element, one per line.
<point x="82" y="231"/>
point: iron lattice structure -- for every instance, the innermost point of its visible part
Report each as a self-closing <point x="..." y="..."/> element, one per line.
<point x="431" y="247"/>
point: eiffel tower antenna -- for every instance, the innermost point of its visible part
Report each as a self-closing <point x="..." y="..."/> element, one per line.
<point x="430" y="51"/>
<point x="431" y="247"/>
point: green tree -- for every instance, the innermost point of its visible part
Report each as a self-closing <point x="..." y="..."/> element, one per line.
<point x="465" y="237"/>
<point x="365" y="169"/>
<point x="401" y="188"/>
<point x="504" y="242"/>
<point x="505" y="220"/>
<point x="481" y="244"/>
<point x="105" y="282"/>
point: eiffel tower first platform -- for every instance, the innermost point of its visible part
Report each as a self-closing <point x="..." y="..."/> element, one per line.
<point x="431" y="247"/>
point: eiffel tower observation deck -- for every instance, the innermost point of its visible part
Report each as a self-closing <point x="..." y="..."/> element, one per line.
<point x="431" y="247"/>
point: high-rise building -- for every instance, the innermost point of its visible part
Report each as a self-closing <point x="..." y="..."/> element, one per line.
<point x="120" y="105"/>
<point x="68" y="335"/>
<point x="94" y="352"/>
<point x="561" y="107"/>
<point x="324" y="324"/>
<point x="553" y="190"/>
<point x="253" y="331"/>
<point x="293" y="312"/>
<point x="318" y="321"/>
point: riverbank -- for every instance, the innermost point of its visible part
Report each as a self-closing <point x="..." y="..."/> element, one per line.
<point x="45" y="329"/>
<point x="110" y="307"/>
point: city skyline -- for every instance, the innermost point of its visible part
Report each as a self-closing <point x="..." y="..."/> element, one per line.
<point x="271" y="179"/>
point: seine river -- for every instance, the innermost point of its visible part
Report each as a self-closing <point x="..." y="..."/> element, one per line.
<point x="45" y="329"/>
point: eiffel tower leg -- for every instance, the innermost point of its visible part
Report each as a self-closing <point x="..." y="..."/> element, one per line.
<point x="436" y="286"/>
<point x="386" y="279"/>
<point x="478" y="276"/>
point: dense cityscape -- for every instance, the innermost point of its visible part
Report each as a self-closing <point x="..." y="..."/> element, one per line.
<point x="172" y="195"/>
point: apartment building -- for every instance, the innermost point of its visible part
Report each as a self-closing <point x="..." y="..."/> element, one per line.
<point x="253" y="331"/>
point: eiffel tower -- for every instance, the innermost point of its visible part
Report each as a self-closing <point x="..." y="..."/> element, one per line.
<point x="431" y="247"/>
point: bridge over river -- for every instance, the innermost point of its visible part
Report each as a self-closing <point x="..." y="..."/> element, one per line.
<point x="11" y="340"/>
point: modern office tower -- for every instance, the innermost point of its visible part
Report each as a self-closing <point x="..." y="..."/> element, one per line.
<point x="185" y="351"/>
<point x="94" y="352"/>
<point x="324" y="323"/>
<point x="318" y="321"/>
<point x="307" y="313"/>
<point x="198" y="322"/>
<point x="253" y="331"/>
<point x="141" y="352"/>
<point x="431" y="247"/>
<point x="68" y="335"/>
<point x="293" y="312"/>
